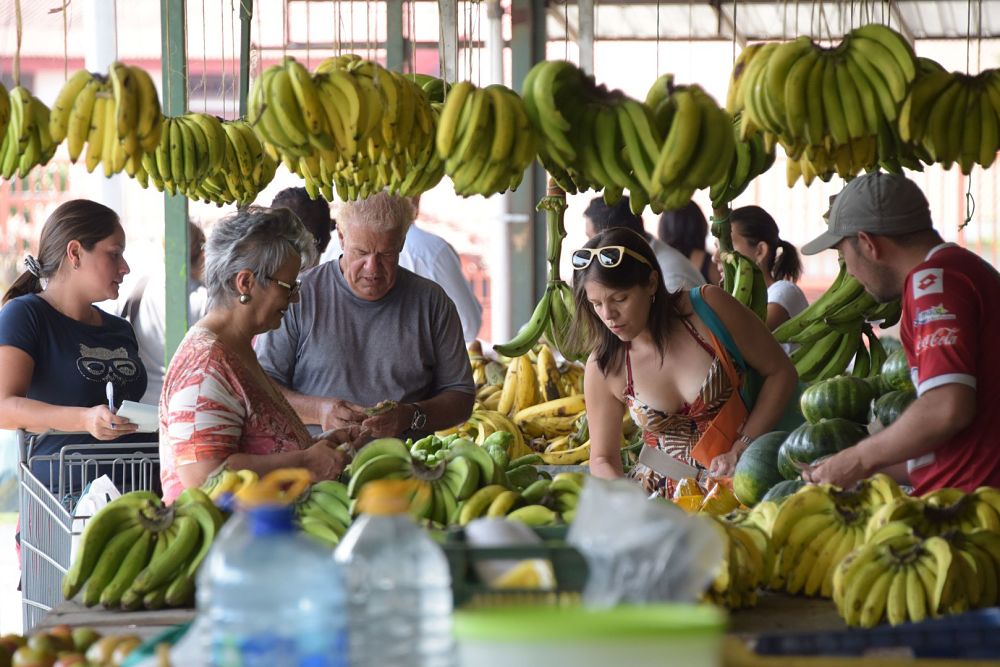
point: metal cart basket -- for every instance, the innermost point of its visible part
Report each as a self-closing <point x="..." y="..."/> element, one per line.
<point x="46" y="510"/>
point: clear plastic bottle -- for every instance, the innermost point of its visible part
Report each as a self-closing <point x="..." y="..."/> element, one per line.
<point x="271" y="597"/>
<point x="398" y="586"/>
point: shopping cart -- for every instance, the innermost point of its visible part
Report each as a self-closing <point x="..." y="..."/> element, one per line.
<point x="46" y="510"/>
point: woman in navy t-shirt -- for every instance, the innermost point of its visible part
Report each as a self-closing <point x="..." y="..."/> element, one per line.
<point x="57" y="350"/>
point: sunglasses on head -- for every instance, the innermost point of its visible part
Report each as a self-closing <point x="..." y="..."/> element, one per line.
<point x="608" y="256"/>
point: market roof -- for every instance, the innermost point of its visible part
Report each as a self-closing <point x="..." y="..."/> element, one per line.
<point x="769" y="20"/>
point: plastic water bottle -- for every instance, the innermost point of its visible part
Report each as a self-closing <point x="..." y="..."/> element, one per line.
<point x="398" y="585"/>
<point x="270" y="596"/>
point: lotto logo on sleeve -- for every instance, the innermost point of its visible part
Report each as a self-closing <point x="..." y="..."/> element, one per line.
<point x="928" y="281"/>
<point x="943" y="337"/>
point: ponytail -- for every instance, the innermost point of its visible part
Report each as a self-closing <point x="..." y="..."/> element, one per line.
<point x="26" y="283"/>
<point x="786" y="265"/>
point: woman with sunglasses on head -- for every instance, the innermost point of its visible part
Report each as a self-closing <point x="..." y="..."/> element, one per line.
<point x="655" y="356"/>
<point x="218" y="406"/>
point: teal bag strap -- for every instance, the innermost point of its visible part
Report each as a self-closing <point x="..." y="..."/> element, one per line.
<point x="715" y="325"/>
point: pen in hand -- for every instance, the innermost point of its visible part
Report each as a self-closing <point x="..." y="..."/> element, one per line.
<point x="109" y="391"/>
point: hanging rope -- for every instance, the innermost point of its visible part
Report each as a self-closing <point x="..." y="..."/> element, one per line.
<point x="115" y="7"/>
<point x="204" y="60"/>
<point x="734" y="30"/>
<point x="65" y="40"/>
<point x="17" y="53"/>
<point x="234" y="19"/>
<point x="308" y="36"/>
<point x="657" y="37"/>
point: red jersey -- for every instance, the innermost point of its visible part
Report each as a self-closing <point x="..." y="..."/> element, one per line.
<point x="951" y="313"/>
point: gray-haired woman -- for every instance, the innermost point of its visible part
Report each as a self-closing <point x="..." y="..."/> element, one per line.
<point x="217" y="404"/>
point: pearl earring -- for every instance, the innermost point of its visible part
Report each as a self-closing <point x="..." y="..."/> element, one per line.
<point x="245" y="299"/>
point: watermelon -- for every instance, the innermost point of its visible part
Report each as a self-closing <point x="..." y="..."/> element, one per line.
<point x="888" y="407"/>
<point x="812" y="441"/>
<point x="757" y="469"/>
<point x="782" y="490"/>
<point x="896" y="371"/>
<point x="842" y="396"/>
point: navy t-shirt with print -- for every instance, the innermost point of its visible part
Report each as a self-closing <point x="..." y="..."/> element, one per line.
<point x="74" y="361"/>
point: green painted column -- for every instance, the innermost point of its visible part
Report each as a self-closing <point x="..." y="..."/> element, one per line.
<point x="246" y="13"/>
<point x="395" y="41"/>
<point x="174" y="65"/>
<point x="528" y="266"/>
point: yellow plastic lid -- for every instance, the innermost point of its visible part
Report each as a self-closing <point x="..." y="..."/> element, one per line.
<point x="391" y="496"/>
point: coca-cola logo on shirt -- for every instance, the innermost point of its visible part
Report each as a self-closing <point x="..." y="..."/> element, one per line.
<point x="945" y="336"/>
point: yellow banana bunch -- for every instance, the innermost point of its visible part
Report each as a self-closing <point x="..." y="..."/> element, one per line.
<point x="547" y="372"/>
<point x="520" y="388"/>
<point x="27" y="141"/>
<point x="351" y="127"/>
<point x="745" y="563"/>
<point x="118" y="116"/>
<point x="552" y="418"/>
<point x="571" y="380"/>
<point x="486" y="139"/>
<point x="826" y="106"/>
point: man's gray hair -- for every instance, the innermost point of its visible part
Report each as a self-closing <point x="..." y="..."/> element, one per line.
<point x="379" y="213"/>
<point x="254" y="239"/>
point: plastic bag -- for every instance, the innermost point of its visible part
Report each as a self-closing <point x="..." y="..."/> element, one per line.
<point x="640" y="551"/>
<point x="98" y="493"/>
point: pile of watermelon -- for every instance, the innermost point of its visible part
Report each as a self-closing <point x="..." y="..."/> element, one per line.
<point x="839" y="413"/>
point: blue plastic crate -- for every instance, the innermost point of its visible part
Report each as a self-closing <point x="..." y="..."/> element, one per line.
<point x="973" y="635"/>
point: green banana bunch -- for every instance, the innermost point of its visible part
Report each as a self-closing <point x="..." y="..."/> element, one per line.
<point x="835" y="329"/>
<point x="486" y="139"/>
<point x="698" y="145"/>
<point x="27" y="141"/>
<point x="753" y="158"/>
<point x="136" y="552"/>
<point x="324" y="512"/>
<point x="193" y="147"/>
<point x="245" y="168"/>
<point x="436" y="89"/>
<point x="744" y="280"/>
<point x="118" y="116"/>
<point x="936" y="98"/>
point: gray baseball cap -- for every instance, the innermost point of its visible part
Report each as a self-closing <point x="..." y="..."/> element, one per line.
<point x="877" y="203"/>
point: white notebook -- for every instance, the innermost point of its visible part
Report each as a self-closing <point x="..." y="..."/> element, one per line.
<point x="145" y="415"/>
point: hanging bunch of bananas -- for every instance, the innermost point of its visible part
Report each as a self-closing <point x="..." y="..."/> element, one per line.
<point x="27" y="141"/>
<point x="753" y="158"/>
<point x="238" y="177"/>
<point x="191" y="147"/>
<point x="486" y="139"/>
<point x="825" y="106"/>
<point x="744" y="280"/>
<point x="136" y="552"/>
<point x="936" y="99"/>
<point x="433" y="87"/>
<point x="118" y="116"/>
<point x="352" y="126"/>
<point x="817" y="527"/>
<point x="835" y="329"/>
<point x="698" y="145"/>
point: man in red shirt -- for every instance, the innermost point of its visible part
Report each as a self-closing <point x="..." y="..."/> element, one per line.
<point x="949" y="436"/>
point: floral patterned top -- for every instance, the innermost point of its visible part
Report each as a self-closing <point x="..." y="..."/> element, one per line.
<point x="212" y="407"/>
<point x="677" y="433"/>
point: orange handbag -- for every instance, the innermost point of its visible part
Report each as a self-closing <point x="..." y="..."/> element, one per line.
<point x="724" y="429"/>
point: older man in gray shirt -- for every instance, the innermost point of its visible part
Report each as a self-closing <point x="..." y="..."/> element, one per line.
<point x="367" y="331"/>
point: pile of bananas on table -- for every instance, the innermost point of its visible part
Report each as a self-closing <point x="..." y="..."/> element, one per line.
<point x="834" y="329"/>
<point x="660" y="150"/>
<point x="137" y="553"/>
<point x="832" y="109"/>
<point x="351" y="127"/>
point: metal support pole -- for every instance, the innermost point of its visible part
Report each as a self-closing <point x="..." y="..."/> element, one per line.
<point x="246" y="13"/>
<point x="499" y="257"/>
<point x="174" y="58"/>
<point x="585" y="20"/>
<point x="526" y="226"/>
<point x="395" y="41"/>
<point x="449" y="39"/>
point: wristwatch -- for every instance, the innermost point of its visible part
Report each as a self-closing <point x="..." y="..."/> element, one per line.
<point x="419" y="420"/>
